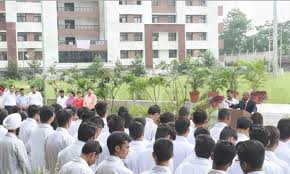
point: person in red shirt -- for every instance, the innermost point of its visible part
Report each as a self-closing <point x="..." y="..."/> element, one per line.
<point x="79" y="101"/>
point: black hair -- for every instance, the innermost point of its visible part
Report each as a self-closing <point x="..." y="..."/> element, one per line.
<point x="23" y="115"/>
<point x="97" y="121"/>
<point x="182" y="126"/>
<point x="116" y="124"/>
<point x="183" y="112"/>
<point x="257" y="118"/>
<point x="224" y="152"/>
<point x="172" y="130"/>
<point x="81" y="111"/>
<point x="86" y="131"/>
<point x="154" y="109"/>
<point x="227" y="133"/>
<point x="274" y="135"/>
<point x="223" y="114"/>
<point x="46" y="112"/>
<point x="88" y="115"/>
<point x="92" y="147"/>
<point x="61" y="91"/>
<point x="229" y="90"/>
<point x="124" y="113"/>
<point x="260" y="134"/>
<point x="117" y="139"/>
<point x="204" y="146"/>
<point x="244" y="123"/>
<point x="15" y="109"/>
<point x="252" y="153"/>
<point x="56" y="107"/>
<point x="136" y="130"/>
<point x="3" y="115"/>
<point x="163" y="130"/>
<point x="21" y="89"/>
<point x="101" y="109"/>
<point x="201" y="131"/>
<point x="63" y="116"/>
<point x="140" y="120"/>
<point x="163" y="150"/>
<point x="32" y="110"/>
<point x="72" y="108"/>
<point x="199" y="116"/>
<point x="167" y="117"/>
<point x="73" y="93"/>
<point x="284" y="128"/>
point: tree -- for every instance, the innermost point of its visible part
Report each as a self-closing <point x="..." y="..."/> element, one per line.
<point x="137" y="67"/>
<point x="236" y="25"/>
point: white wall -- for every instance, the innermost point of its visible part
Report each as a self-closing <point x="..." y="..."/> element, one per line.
<point x="28" y="7"/>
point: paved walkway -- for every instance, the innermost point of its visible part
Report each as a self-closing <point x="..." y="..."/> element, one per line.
<point x="273" y="112"/>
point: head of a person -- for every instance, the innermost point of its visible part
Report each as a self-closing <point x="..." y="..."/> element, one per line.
<point x="182" y="126"/>
<point x="99" y="124"/>
<point x="116" y="123"/>
<point x="56" y="107"/>
<point x="136" y="131"/>
<point x="229" y="134"/>
<point x="173" y="131"/>
<point x="73" y="109"/>
<point x="230" y="94"/>
<point x="12" y="88"/>
<point x="223" y="154"/>
<point x="167" y="117"/>
<point x="200" y="118"/>
<point x="284" y="128"/>
<point x="61" y="93"/>
<point x="118" y="144"/>
<point x="86" y="132"/>
<point x="3" y="115"/>
<point x="90" y="91"/>
<point x="12" y="122"/>
<point x="101" y="109"/>
<point x="224" y="116"/>
<point x="257" y="118"/>
<point x="201" y="131"/>
<point x="21" y="91"/>
<point x="16" y="109"/>
<point x="87" y="115"/>
<point x="91" y="151"/>
<point x="79" y="95"/>
<point x="124" y="113"/>
<point x="204" y="146"/>
<point x="2" y="89"/>
<point x="154" y="111"/>
<point x="246" y="96"/>
<point x="184" y="112"/>
<point x="46" y="114"/>
<point x="163" y="131"/>
<point x="274" y="137"/>
<point x="162" y="150"/>
<point x="81" y="111"/>
<point x="64" y="118"/>
<point x="72" y="94"/>
<point x="140" y="120"/>
<point x="261" y="134"/>
<point x="23" y="115"/>
<point x="251" y="155"/>
<point x="244" y="123"/>
<point x="33" y="89"/>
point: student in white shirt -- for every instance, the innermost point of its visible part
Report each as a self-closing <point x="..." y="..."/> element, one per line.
<point x="222" y="156"/>
<point x="38" y="136"/>
<point x="257" y="118"/>
<point x="230" y="100"/>
<point x="61" y="99"/>
<point x="182" y="148"/>
<point x="3" y="115"/>
<point x="283" y="151"/>
<point x="35" y="97"/>
<point x="243" y="128"/>
<point x="199" y="164"/>
<point x="58" y="140"/>
<point x="224" y="119"/>
<point x="2" y="97"/>
<point x="251" y="155"/>
<point x="162" y="153"/>
<point x="151" y="120"/>
<point x="229" y="134"/>
<point x="89" y="154"/>
<point x="10" y="99"/>
<point x="118" y="145"/>
<point x="75" y="126"/>
<point x="200" y="120"/>
<point x="101" y="109"/>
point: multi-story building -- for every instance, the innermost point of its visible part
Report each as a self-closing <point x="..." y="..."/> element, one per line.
<point x="74" y="32"/>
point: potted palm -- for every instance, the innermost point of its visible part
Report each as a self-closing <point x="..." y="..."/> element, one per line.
<point x="216" y="81"/>
<point x="232" y="75"/>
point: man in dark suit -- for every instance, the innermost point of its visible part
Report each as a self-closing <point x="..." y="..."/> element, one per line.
<point x="246" y="104"/>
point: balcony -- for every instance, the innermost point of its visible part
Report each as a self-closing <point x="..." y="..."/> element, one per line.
<point x="79" y="30"/>
<point x="2" y="6"/>
<point x="78" y="12"/>
<point x="95" y="45"/>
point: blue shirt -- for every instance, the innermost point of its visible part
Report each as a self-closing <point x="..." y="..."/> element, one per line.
<point x="22" y="100"/>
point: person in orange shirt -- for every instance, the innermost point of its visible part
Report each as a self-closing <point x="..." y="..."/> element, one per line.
<point x="79" y="101"/>
<point x="90" y="99"/>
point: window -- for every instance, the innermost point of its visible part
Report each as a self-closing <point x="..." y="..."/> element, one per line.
<point x="124" y="54"/>
<point x="138" y="36"/>
<point x="189" y="36"/>
<point x="172" y="53"/>
<point x="123" y="36"/>
<point x="137" y="19"/>
<point x="21" y="17"/>
<point x="202" y="36"/>
<point x="69" y="6"/>
<point x="155" y="54"/>
<point x="70" y="40"/>
<point x="22" y="55"/>
<point x="3" y="36"/>
<point x="202" y="2"/>
<point x="3" y="55"/>
<point x="37" y="18"/>
<point x="2" y="17"/>
<point x="69" y="24"/>
<point x="38" y="55"/>
<point x="22" y="36"/>
<point x="138" y="53"/>
<point x="123" y="19"/>
<point x="38" y="37"/>
<point x="202" y="19"/>
<point x="171" y="2"/>
<point x="138" y="2"/>
<point x="188" y="2"/>
<point x="155" y="36"/>
<point x="155" y="19"/>
<point x="171" y="36"/>
<point x="188" y="19"/>
<point x="155" y="2"/>
<point x="122" y="2"/>
<point x="171" y="19"/>
<point x="190" y="53"/>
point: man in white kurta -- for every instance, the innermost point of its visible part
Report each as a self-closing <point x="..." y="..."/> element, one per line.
<point x="243" y="128"/>
<point x="35" y="97"/>
<point x="61" y="99"/>
<point x="10" y="99"/>
<point x="3" y="115"/>
<point x="224" y="120"/>
<point x="283" y="149"/>
<point x="13" y="155"/>
<point x="2" y="97"/>
<point x="230" y="100"/>
<point x="151" y="127"/>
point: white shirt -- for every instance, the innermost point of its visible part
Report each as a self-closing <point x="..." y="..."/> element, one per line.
<point x="13" y="155"/>
<point x="181" y="150"/>
<point x="105" y="128"/>
<point x="112" y="165"/>
<point x="159" y="170"/>
<point x="71" y="152"/>
<point x="214" y="171"/>
<point x="150" y="130"/>
<point x="76" y="166"/>
<point x="26" y="128"/>
<point x="10" y="99"/>
<point x="36" y="144"/>
<point x="195" y="165"/>
<point x="3" y="131"/>
<point x="256" y="172"/>
<point x="2" y="100"/>
<point x="226" y="103"/>
<point x="54" y="143"/>
<point x="74" y="127"/>
<point x="215" y="131"/>
<point x="282" y="152"/>
<point x="191" y="138"/>
<point x="131" y="161"/>
<point x="273" y="157"/>
<point x="242" y="137"/>
<point x="103" y="137"/>
<point x="35" y="99"/>
<point x="62" y="101"/>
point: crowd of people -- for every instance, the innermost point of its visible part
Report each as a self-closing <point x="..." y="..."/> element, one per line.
<point x="78" y="136"/>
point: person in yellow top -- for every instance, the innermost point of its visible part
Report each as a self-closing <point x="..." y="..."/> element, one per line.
<point x="90" y="99"/>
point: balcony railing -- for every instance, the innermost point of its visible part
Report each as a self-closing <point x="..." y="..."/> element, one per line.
<point x="79" y="27"/>
<point x="92" y="42"/>
<point x="77" y="9"/>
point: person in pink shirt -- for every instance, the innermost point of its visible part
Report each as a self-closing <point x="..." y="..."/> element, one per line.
<point x="90" y="99"/>
<point x="71" y="99"/>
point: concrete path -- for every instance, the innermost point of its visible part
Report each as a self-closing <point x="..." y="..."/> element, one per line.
<point x="273" y="112"/>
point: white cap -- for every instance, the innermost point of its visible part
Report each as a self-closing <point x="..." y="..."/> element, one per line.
<point x="12" y="121"/>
